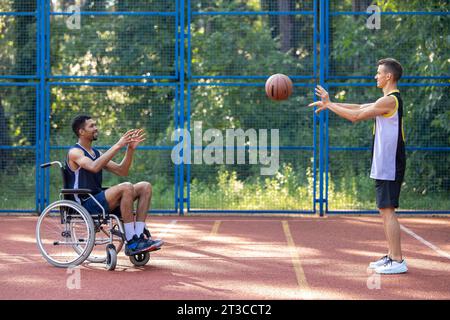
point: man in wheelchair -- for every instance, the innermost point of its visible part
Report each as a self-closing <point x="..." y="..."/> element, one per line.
<point x="85" y="165"/>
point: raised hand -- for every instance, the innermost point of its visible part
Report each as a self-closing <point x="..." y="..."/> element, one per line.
<point x="323" y="94"/>
<point x="126" y="138"/>
<point x="325" y="99"/>
<point x="320" y="104"/>
<point x="137" y="137"/>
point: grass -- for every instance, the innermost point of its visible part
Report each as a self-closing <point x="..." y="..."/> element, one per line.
<point x="282" y="191"/>
<point x="286" y="190"/>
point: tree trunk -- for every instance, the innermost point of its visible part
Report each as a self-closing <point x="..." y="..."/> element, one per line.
<point x="5" y="140"/>
<point x="286" y="24"/>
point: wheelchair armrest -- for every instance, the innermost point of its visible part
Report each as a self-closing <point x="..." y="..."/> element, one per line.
<point x="76" y="191"/>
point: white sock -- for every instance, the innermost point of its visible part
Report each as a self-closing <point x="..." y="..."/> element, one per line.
<point x="129" y="230"/>
<point x="139" y="228"/>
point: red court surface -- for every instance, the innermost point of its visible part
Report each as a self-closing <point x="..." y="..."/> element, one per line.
<point x="244" y="257"/>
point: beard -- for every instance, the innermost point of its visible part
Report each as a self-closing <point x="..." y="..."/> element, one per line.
<point x="381" y="84"/>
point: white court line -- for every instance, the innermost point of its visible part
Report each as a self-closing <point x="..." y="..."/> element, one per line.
<point x="167" y="228"/>
<point x="425" y="242"/>
<point x="295" y="257"/>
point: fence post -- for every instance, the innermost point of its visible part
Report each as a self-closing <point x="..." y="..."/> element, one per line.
<point x="40" y="139"/>
<point x="46" y="95"/>
<point x="322" y="114"/>
<point x="182" y="92"/>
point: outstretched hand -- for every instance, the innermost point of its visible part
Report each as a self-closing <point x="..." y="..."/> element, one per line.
<point x="325" y="99"/>
<point x="323" y="94"/>
<point x="321" y="106"/>
<point x="132" y="138"/>
<point x="137" y="137"/>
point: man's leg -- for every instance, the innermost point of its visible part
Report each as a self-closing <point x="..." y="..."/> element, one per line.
<point x="392" y="228"/>
<point x="383" y="199"/>
<point x="387" y="196"/>
<point x="122" y="195"/>
<point x="386" y="234"/>
<point x="143" y="193"/>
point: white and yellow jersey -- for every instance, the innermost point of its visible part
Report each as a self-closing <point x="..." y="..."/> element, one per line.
<point x="388" y="150"/>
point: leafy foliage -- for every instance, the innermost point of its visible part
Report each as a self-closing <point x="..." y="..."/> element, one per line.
<point x="237" y="45"/>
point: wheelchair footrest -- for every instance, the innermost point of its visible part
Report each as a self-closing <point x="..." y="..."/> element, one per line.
<point x="117" y="233"/>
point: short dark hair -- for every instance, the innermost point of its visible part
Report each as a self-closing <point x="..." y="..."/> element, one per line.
<point x="78" y="123"/>
<point x="393" y="66"/>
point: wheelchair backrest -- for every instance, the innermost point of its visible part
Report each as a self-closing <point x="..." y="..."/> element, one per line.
<point x="65" y="177"/>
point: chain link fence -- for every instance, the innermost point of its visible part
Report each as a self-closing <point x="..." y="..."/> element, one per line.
<point x="165" y="65"/>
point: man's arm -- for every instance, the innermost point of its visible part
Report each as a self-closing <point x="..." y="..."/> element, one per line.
<point x="325" y="97"/>
<point x="382" y="106"/>
<point x="123" y="168"/>
<point x="354" y="112"/>
<point x="77" y="155"/>
<point x="353" y="106"/>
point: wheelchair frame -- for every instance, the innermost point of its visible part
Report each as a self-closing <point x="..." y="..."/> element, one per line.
<point x="71" y="210"/>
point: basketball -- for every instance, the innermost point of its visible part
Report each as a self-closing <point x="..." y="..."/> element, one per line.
<point x="278" y="87"/>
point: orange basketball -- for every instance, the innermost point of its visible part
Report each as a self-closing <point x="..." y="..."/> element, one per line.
<point x="278" y="87"/>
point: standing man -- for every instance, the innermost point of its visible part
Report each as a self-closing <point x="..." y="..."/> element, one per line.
<point x="85" y="165"/>
<point x="388" y="154"/>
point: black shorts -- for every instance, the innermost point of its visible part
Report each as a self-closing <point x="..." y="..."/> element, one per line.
<point x="93" y="208"/>
<point x="388" y="193"/>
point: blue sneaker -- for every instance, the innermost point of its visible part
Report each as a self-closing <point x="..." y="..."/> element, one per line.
<point x="153" y="244"/>
<point x="136" y="246"/>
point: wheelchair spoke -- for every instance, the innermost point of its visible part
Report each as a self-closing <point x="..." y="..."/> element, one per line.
<point x="59" y="243"/>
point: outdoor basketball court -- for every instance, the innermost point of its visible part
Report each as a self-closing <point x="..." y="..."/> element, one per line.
<point x="243" y="258"/>
<point x="257" y="195"/>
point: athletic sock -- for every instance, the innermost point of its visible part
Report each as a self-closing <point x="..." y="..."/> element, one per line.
<point x="129" y="230"/>
<point x="139" y="229"/>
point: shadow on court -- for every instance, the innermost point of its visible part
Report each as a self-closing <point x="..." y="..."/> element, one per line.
<point x="241" y="257"/>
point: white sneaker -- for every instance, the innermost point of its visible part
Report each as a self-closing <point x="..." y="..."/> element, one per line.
<point x="392" y="267"/>
<point x="379" y="263"/>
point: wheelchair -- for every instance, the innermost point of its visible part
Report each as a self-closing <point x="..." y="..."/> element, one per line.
<point x="67" y="234"/>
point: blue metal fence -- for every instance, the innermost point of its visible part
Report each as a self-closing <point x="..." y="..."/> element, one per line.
<point x="184" y="71"/>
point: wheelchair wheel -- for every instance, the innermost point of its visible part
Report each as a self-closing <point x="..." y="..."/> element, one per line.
<point x="102" y="237"/>
<point x="140" y="259"/>
<point x="111" y="257"/>
<point x="65" y="234"/>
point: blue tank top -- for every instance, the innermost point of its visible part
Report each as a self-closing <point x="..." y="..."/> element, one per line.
<point x="84" y="179"/>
